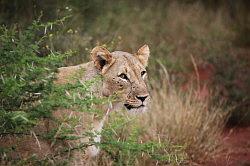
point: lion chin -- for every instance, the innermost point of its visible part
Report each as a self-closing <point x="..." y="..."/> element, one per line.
<point x="131" y="109"/>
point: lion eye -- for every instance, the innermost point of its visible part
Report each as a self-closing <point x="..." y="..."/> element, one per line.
<point x="123" y="76"/>
<point x="143" y="73"/>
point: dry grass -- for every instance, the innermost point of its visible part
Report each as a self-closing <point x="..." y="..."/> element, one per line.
<point x="188" y="121"/>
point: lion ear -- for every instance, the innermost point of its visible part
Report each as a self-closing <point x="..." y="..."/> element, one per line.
<point x="143" y="54"/>
<point x="101" y="57"/>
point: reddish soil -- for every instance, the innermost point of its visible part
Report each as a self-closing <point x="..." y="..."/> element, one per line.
<point x="237" y="141"/>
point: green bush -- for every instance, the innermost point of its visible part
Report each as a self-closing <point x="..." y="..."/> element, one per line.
<point x="27" y="92"/>
<point x="28" y="96"/>
<point x="26" y="79"/>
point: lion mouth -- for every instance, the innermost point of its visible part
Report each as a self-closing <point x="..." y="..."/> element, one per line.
<point x="129" y="107"/>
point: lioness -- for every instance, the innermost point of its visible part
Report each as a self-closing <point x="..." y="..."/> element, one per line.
<point x="123" y="74"/>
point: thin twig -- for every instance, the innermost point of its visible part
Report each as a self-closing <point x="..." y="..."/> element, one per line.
<point x="166" y="74"/>
<point x="82" y="145"/>
<point x="196" y="72"/>
<point x="37" y="141"/>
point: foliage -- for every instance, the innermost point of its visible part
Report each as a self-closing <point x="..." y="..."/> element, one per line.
<point x="29" y="96"/>
<point x="26" y="78"/>
<point x="27" y="91"/>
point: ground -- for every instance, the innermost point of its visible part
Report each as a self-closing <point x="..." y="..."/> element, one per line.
<point x="237" y="141"/>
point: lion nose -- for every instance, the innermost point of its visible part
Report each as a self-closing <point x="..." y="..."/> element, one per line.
<point x="142" y="98"/>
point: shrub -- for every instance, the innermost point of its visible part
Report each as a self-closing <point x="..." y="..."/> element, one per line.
<point x="26" y="78"/>
<point x="29" y="97"/>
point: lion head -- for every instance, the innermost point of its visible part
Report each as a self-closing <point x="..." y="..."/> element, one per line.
<point x="125" y="75"/>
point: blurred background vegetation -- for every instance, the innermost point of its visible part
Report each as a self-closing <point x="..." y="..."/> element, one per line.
<point x="203" y="44"/>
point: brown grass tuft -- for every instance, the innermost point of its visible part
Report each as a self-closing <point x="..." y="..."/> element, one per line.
<point x="188" y="121"/>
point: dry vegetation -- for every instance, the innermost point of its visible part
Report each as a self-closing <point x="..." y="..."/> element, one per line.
<point x="186" y="120"/>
